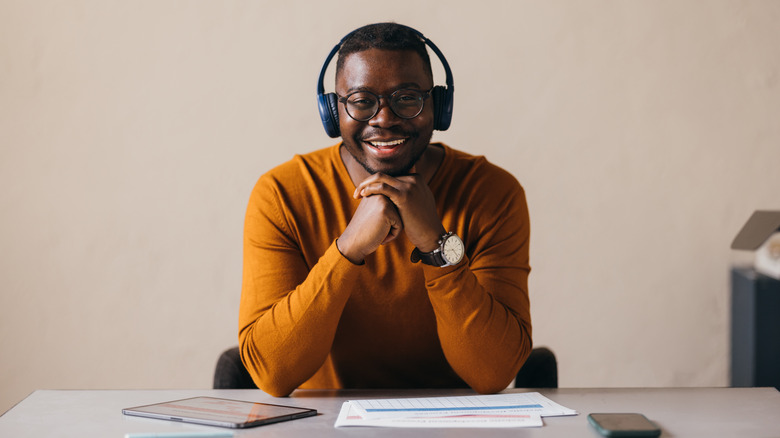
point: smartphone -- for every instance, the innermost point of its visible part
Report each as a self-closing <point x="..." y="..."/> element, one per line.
<point x="618" y="425"/>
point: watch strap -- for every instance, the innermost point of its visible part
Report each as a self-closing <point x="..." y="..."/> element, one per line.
<point x="433" y="258"/>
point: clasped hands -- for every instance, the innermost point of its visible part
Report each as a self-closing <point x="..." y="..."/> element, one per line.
<point x="389" y="205"/>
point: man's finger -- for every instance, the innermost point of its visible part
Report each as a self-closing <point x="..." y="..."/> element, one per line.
<point x="377" y="184"/>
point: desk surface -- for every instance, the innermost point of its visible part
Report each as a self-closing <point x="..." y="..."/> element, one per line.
<point x="681" y="412"/>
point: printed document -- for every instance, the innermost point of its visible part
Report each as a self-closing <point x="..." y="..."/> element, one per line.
<point x="498" y="410"/>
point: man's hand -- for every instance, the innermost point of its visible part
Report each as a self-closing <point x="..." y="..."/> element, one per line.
<point x="415" y="202"/>
<point x="376" y="222"/>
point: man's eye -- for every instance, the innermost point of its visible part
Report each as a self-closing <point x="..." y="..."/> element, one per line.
<point x="407" y="97"/>
<point x="362" y="101"/>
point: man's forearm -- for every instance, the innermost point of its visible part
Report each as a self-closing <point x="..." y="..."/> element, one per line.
<point x="284" y="341"/>
<point x="485" y="340"/>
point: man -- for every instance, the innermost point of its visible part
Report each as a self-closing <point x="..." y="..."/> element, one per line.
<point x="332" y="297"/>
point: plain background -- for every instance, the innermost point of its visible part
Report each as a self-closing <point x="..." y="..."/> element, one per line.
<point x="131" y="134"/>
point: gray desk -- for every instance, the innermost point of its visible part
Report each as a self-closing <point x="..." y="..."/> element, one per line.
<point x="681" y="412"/>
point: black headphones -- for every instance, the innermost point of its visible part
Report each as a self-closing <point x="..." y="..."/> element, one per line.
<point x="442" y="96"/>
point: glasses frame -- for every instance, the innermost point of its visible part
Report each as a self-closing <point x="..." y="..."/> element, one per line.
<point x="388" y="98"/>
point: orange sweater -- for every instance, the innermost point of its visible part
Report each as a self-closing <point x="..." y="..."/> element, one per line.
<point x="310" y="318"/>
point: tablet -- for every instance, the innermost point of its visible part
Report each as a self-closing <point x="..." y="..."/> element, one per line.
<point x="212" y="411"/>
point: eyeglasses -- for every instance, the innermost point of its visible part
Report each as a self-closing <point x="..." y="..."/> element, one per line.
<point x="405" y="103"/>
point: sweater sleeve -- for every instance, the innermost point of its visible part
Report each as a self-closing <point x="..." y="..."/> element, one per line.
<point x="482" y="305"/>
<point x="289" y="311"/>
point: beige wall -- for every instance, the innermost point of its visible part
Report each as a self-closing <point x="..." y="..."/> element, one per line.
<point x="131" y="133"/>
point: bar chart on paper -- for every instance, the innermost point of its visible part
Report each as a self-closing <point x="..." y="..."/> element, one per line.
<point x="531" y="402"/>
<point x="499" y="410"/>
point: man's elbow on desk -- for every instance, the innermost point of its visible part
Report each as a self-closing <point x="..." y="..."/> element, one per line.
<point x="276" y="383"/>
<point x="490" y="387"/>
<point x="276" y="390"/>
<point x="488" y="378"/>
<point x="490" y="383"/>
<point x="267" y="379"/>
<point x="270" y="385"/>
<point x="493" y="375"/>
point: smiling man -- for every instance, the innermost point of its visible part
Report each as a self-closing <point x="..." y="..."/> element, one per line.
<point x="385" y="261"/>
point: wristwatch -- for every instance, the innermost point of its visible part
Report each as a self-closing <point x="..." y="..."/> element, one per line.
<point x="450" y="252"/>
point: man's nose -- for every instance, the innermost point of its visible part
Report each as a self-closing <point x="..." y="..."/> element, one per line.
<point x="385" y="117"/>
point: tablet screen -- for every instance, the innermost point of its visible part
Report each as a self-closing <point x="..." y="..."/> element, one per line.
<point x="220" y="412"/>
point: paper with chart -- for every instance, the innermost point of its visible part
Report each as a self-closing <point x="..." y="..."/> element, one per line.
<point x="349" y="416"/>
<point x="498" y="410"/>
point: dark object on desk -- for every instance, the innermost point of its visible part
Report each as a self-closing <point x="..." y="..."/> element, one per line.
<point x="627" y="425"/>
<point x="755" y="329"/>
<point x="539" y="371"/>
<point x="211" y="411"/>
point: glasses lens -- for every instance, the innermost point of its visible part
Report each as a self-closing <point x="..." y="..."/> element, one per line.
<point x="407" y="103"/>
<point x="362" y="105"/>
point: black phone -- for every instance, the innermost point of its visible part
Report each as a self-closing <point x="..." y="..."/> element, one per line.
<point x="618" y="425"/>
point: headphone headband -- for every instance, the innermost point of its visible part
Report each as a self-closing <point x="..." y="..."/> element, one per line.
<point x="442" y="96"/>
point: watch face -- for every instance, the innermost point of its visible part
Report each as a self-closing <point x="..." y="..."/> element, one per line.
<point x="452" y="250"/>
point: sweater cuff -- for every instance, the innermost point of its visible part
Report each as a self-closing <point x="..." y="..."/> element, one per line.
<point x="335" y="244"/>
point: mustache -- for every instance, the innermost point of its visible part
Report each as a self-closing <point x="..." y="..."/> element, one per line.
<point x="370" y="133"/>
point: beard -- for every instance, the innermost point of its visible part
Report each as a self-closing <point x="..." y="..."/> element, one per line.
<point x="404" y="169"/>
<point x="416" y="147"/>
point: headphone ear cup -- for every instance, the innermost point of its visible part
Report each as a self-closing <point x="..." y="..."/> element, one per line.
<point x="442" y="107"/>
<point x="328" y="105"/>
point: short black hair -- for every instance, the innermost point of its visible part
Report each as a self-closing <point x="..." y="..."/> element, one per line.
<point x="385" y="36"/>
